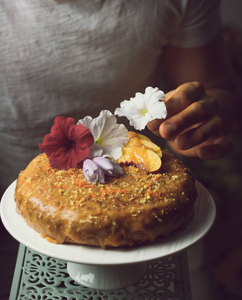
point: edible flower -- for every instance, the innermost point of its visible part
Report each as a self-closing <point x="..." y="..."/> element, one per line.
<point x="93" y="171"/>
<point x="67" y="144"/>
<point x="108" y="166"/>
<point x="143" y="108"/>
<point x="109" y="137"/>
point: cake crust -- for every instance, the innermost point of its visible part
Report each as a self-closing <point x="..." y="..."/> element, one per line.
<point x="63" y="206"/>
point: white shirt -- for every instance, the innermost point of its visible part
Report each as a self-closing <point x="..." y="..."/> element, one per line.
<point x="77" y="57"/>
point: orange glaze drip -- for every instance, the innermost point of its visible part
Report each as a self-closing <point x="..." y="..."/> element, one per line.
<point x="138" y="155"/>
<point x="134" y="142"/>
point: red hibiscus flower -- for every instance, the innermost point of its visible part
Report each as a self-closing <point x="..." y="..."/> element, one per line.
<point x="67" y="144"/>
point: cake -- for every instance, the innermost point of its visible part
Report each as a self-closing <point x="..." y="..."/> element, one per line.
<point x="144" y="193"/>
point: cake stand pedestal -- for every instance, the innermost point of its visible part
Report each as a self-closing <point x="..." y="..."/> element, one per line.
<point x="113" y="268"/>
<point x="106" y="277"/>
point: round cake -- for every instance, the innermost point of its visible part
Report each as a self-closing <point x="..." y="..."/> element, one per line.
<point x="98" y="184"/>
<point x="138" y="206"/>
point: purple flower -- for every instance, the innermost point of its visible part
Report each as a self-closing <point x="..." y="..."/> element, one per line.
<point x="108" y="166"/>
<point x="93" y="171"/>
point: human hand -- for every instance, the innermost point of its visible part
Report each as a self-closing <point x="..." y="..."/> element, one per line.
<point x="193" y="127"/>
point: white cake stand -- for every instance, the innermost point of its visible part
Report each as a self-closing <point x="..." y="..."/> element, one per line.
<point x="116" y="268"/>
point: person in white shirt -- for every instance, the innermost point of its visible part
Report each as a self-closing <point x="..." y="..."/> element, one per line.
<point x="77" y="57"/>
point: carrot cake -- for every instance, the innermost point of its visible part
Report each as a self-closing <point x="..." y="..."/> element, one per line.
<point x="98" y="184"/>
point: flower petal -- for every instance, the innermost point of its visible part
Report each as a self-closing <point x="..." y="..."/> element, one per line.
<point x="104" y="163"/>
<point x="117" y="170"/>
<point x="96" y="150"/>
<point x="62" y="128"/>
<point x="92" y="126"/>
<point x="157" y="111"/>
<point x="109" y="167"/>
<point x="67" y="144"/>
<point x="129" y="108"/>
<point x="93" y="171"/>
<point x="109" y="136"/>
<point x="89" y="167"/>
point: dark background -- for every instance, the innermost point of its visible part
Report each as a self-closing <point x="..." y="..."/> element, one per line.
<point x="223" y="178"/>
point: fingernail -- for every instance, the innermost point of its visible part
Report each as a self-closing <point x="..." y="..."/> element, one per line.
<point x="169" y="129"/>
<point x="183" y="141"/>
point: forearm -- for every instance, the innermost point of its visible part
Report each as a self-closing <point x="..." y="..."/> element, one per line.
<point x="209" y="67"/>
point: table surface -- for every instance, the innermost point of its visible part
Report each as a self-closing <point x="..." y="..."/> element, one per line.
<point x="40" y="277"/>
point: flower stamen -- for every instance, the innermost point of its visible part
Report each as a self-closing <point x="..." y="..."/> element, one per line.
<point x="98" y="142"/>
<point x="143" y="112"/>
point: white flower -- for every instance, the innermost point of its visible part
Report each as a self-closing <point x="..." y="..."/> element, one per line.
<point x="143" y="108"/>
<point x="109" y="137"/>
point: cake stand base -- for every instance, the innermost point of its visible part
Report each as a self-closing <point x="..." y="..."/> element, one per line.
<point x="106" y="277"/>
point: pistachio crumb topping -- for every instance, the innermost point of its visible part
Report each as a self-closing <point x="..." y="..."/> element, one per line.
<point x="134" y="196"/>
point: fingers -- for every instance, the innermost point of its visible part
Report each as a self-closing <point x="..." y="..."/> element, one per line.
<point x="216" y="147"/>
<point x="197" y="112"/>
<point x="179" y="99"/>
<point x="154" y="126"/>
<point x="192" y="126"/>
<point x="200" y="133"/>
<point x="220" y="147"/>
<point x="186" y="94"/>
